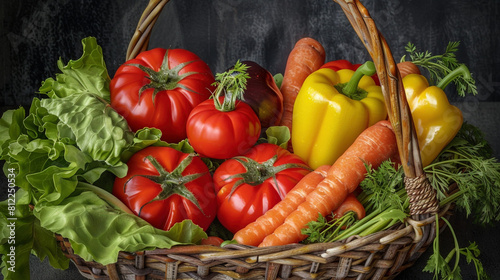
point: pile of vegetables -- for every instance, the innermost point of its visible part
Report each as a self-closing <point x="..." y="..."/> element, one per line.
<point x="167" y="153"/>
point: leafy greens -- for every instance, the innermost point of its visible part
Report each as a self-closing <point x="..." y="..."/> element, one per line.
<point x="62" y="144"/>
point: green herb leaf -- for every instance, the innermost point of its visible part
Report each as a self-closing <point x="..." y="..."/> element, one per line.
<point x="467" y="162"/>
<point x="440" y="267"/>
<point x="230" y="84"/>
<point x="327" y="229"/>
<point x="440" y="66"/>
<point x="472" y="255"/>
<point x="380" y="187"/>
<point x="278" y="135"/>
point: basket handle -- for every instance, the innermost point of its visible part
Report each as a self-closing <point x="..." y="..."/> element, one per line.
<point x="140" y="39"/>
<point x="420" y="192"/>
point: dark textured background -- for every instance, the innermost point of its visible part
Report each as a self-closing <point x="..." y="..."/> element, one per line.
<point x="34" y="34"/>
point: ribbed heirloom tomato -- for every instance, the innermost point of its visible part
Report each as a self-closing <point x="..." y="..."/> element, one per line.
<point x="249" y="185"/>
<point x="159" y="88"/>
<point x="224" y="126"/>
<point x="222" y="135"/>
<point x="165" y="186"/>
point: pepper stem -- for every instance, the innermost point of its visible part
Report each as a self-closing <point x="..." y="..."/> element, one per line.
<point x="461" y="70"/>
<point x="351" y="88"/>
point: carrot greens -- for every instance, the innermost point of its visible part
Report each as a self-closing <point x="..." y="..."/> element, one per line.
<point x="465" y="173"/>
<point x="441" y="65"/>
<point x="326" y="229"/>
<point x="385" y="201"/>
<point x="468" y="162"/>
<point x="440" y="266"/>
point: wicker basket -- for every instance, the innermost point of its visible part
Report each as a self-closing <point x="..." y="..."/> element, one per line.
<point x="382" y="255"/>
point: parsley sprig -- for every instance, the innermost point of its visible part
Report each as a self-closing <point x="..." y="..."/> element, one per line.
<point x="439" y="66"/>
<point x="440" y="265"/>
<point x="232" y="85"/>
<point x="326" y="229"/>
<point x="468" y="162"/>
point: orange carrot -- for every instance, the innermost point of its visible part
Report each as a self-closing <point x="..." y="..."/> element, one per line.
<point x="351" y="203"/>
<point x="408" y="67"/>
<point x="307" y="56"/>
<point x="255" y="232"/>
<point x="373" y="146"/>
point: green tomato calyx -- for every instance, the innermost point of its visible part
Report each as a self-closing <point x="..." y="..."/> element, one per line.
<point x="256" y="173"/>
<point x="165" y="78"/>
<point x="171" y="182"/>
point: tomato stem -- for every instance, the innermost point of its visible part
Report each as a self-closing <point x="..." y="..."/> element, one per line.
<point x="165" y="78"/>
<point x="171" y="183"/>
<point x="256" y="173"/>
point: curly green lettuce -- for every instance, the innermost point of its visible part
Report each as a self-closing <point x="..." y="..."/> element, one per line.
<point x="68" y="140"/>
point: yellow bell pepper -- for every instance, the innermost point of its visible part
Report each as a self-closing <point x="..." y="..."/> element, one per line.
<point x="331" y="109"/>
<point x="436" y="121"/>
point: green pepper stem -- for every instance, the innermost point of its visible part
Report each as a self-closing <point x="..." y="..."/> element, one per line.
<point x="351" y="88"/>
<point x="462" y="70"/>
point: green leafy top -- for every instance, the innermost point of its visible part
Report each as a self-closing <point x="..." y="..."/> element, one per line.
<point x="467" y="162"/>
<point x="439" y="66"/>
<point x="381" y="187"/>
<point x="440" y="265"/>
<point x="232" y="85"/>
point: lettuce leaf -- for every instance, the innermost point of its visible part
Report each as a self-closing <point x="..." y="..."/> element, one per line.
<point x="81" y="219"/>
<point x="87" y="74"/>
<point x="29" y="237"/>
<point x="278" y="135"/>
<point x="74" y="137"/>
<point x="92" y="124"/>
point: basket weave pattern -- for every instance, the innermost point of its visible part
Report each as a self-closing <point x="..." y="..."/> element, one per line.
<point x="382" y="255"/>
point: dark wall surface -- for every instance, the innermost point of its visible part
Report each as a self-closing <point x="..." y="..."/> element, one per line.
<point x="34" y="34"/>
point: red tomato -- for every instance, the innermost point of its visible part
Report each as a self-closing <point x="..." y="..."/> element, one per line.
<point x="247" y="188"/>
<point x="150" y="92"/>
<point x="222" y="135"/>
<point x="212" y="240"/>
<point x="164" y="186"/>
